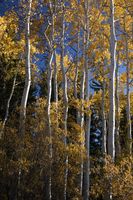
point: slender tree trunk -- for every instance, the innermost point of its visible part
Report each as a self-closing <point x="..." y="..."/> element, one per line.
<point x="76" y="78"/>
<point x="80" y="115"/>
<point x="82" y="98"/>
<point x="55" y="68"/>
<point x="50" y="71"/>
<point x="55" y="81"/>
<point x="65" y="100"/>
<point x="76" y="69"/>
<point x="82" y="126"/>
<point x="56" y="88"/>
<point x="111" y="134"/>
<point x="49" y="125"/>
<point x="27" y="72"/>
<point x="104" y="128"/>
<point x="86" y="174"/>
<point x="75" y="82"/>
<point x="113" y="43"/>
<point x="26" y="87"/>
<point x="8" y="106"/>
<point x="129" y="125"/>
<point x="117" y="136"/>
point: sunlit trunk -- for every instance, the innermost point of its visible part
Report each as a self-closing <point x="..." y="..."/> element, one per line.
<point x="27" y="83"/>
<point x="86" y="172"/>
<point x="82" y="91"/>
<point x="55" y="75"/>
<point x="111" y="133"/>
<point x="128" y="106"/>
<point x="117" y="130"/>
<point x="82" y="98"/>
<point x="49" y="123"/>
<point x="104" y="128"/>
<point x="27" y="72"/>
<point x="113" y="43"/>
<point x="65" y="101"/>
<point x="76" y="68"/>
<point x="8" y="106"/>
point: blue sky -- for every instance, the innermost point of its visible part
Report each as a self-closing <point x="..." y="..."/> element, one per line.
<point x="6" y="5"/>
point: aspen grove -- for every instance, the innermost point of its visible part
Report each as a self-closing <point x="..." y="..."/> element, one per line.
<point x="66" y="100"/>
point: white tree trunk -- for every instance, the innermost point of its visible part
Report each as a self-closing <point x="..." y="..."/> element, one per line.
<point x="8" y="106"/>
<point x="82" y="98"/>
<point x="76" y="77"/>
<point x="82" y="126"/>
<point x="111" y="134"/>
<point x="27" y="71"/>
<point x="55" y="81"/>
<point x="55" y="75"/>
<point x="26" y="87"/>
<point x="65" y="99"/>
<point x="49" y="125"/>
<point x="104" y="128"/>
<point x="86" y="174"/>
<point x="50" y="72"/>
<point x="117" y="130"/>
<point x="129" y="125"/>
<point x="113" y="43"/>
<point x="76" y="69"/>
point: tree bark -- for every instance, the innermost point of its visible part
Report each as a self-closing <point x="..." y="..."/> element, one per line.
<point x="104" y="128"/>
<point x="50" y="72"/>
<point x="82" y="95"/>
<point x="117" y="135"/>
<point x="86" y="174"/>
<point x="49" y="125"/>
<point x="55" y="75"/>
<point x="55" y="81"/>
<point x="26" y="88"/>
<point x="113" y="43"/>
<point x="27" y="72"/>
<point x="76" y="76"/>
<point x="8" y="106"/>
<point x="111" y="134"/>
<point x="128" y="107"/>
<point x="76" y="69"/>
<point x="65" y="100"/>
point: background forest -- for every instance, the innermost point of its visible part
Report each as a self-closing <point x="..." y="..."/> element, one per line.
<point x="66" y="100"/>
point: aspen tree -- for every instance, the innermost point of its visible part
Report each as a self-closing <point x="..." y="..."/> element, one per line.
<point x="77" y="65"/>
<point x="76" y="75"/>
<point x="128" y="104"/>
<point x="27" y="84"/>
<point x="50" y="131"/>
<point x="86" y="178"/>
<point x="50" y="71"/>
<point x="113" y="43"/>
<point x="55" y="75"/>
<point x="104" y="120"/>
<point x="27" y="70"/>
<point x="82" y="96"/>
<point x="55" y="80"/>
<point x="8" y="106"/>
<point x="65" y="97"/>
<point x="117" y="131"/>
<point x="129" y="125"/>
<point x="111" y="134"/>
<point x="104" y="128"/>
<point x="80" y="114"/>
<point x="50" y="74"/>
